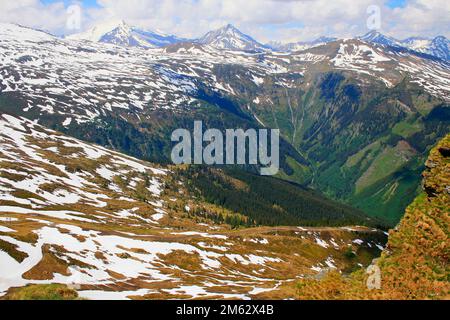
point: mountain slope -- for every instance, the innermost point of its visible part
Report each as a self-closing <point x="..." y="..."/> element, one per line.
<point x="114" y="227"/>
<point x="438" y="47"/>
<point x="357" y="121"/>
<point x="415" y="264"/>
<point x="270" y="201"/>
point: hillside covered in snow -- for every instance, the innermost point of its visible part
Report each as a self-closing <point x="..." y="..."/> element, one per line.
<point x="114" y="227"/>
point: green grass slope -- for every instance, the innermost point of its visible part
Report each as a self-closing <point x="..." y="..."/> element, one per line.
<point x="415" y="264"/>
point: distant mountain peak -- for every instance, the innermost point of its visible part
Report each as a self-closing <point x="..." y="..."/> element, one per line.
<point x="229" y="26"/>
<point x="95" y="33"/>
<point x="301" y="45"/>
<point x="440" y="47"/>
<point x="375" y="36"/>
<point x="229" y="37"/>
<point x="228" y="29"/>
<point x="123" y="26"/>
<point x="122" y="22"/>
<point x="442" y="39"/>
<point x="120" y="33"/>
<point x="437" y="47"/>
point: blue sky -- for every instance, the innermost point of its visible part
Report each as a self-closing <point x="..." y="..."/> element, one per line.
<point x="396" y="3"/>
<point x="93" y="3"/>
<point x="85" y="3"/>
<point x="265" y="20"/>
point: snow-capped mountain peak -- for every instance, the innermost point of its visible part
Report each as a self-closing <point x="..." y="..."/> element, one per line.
<point x="437" y="47"/>
<point x="440" y="47"/>
<point x="95" y="33"/>
<point x="230" y="38"/>
<point x="379" y="38"/>
<point x="122" y="34"/>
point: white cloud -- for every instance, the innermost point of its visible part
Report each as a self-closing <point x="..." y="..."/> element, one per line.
<point x="33" y="13"/>
<point x="421" y="17"/>
<point x="286" y="20"/>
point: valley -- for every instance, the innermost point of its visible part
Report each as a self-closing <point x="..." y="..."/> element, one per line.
<point x="346" y="109"/>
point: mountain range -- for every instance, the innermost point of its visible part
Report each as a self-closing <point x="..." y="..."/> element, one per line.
<point x="437" y="47"/>
<point x="231" y="38"/>
<point x="90" y="199"/>
<point x="356" y="118"/>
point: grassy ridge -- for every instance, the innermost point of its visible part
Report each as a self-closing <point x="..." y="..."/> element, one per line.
<point x="415" y="264"/>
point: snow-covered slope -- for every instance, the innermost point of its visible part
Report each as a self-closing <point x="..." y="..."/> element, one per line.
<point x="230" y="38"/>
<point x="417" y="43"/>
<point x="115" y="227"/>
<point x="95" y="33"/>
<point x="122" y="34"/>
<point x="80" y="81"/>
<point x="16" y="32"/>
<point x="386" y="64"/>
<point x="77" y="82"/>
<point x="438" y="47"/>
